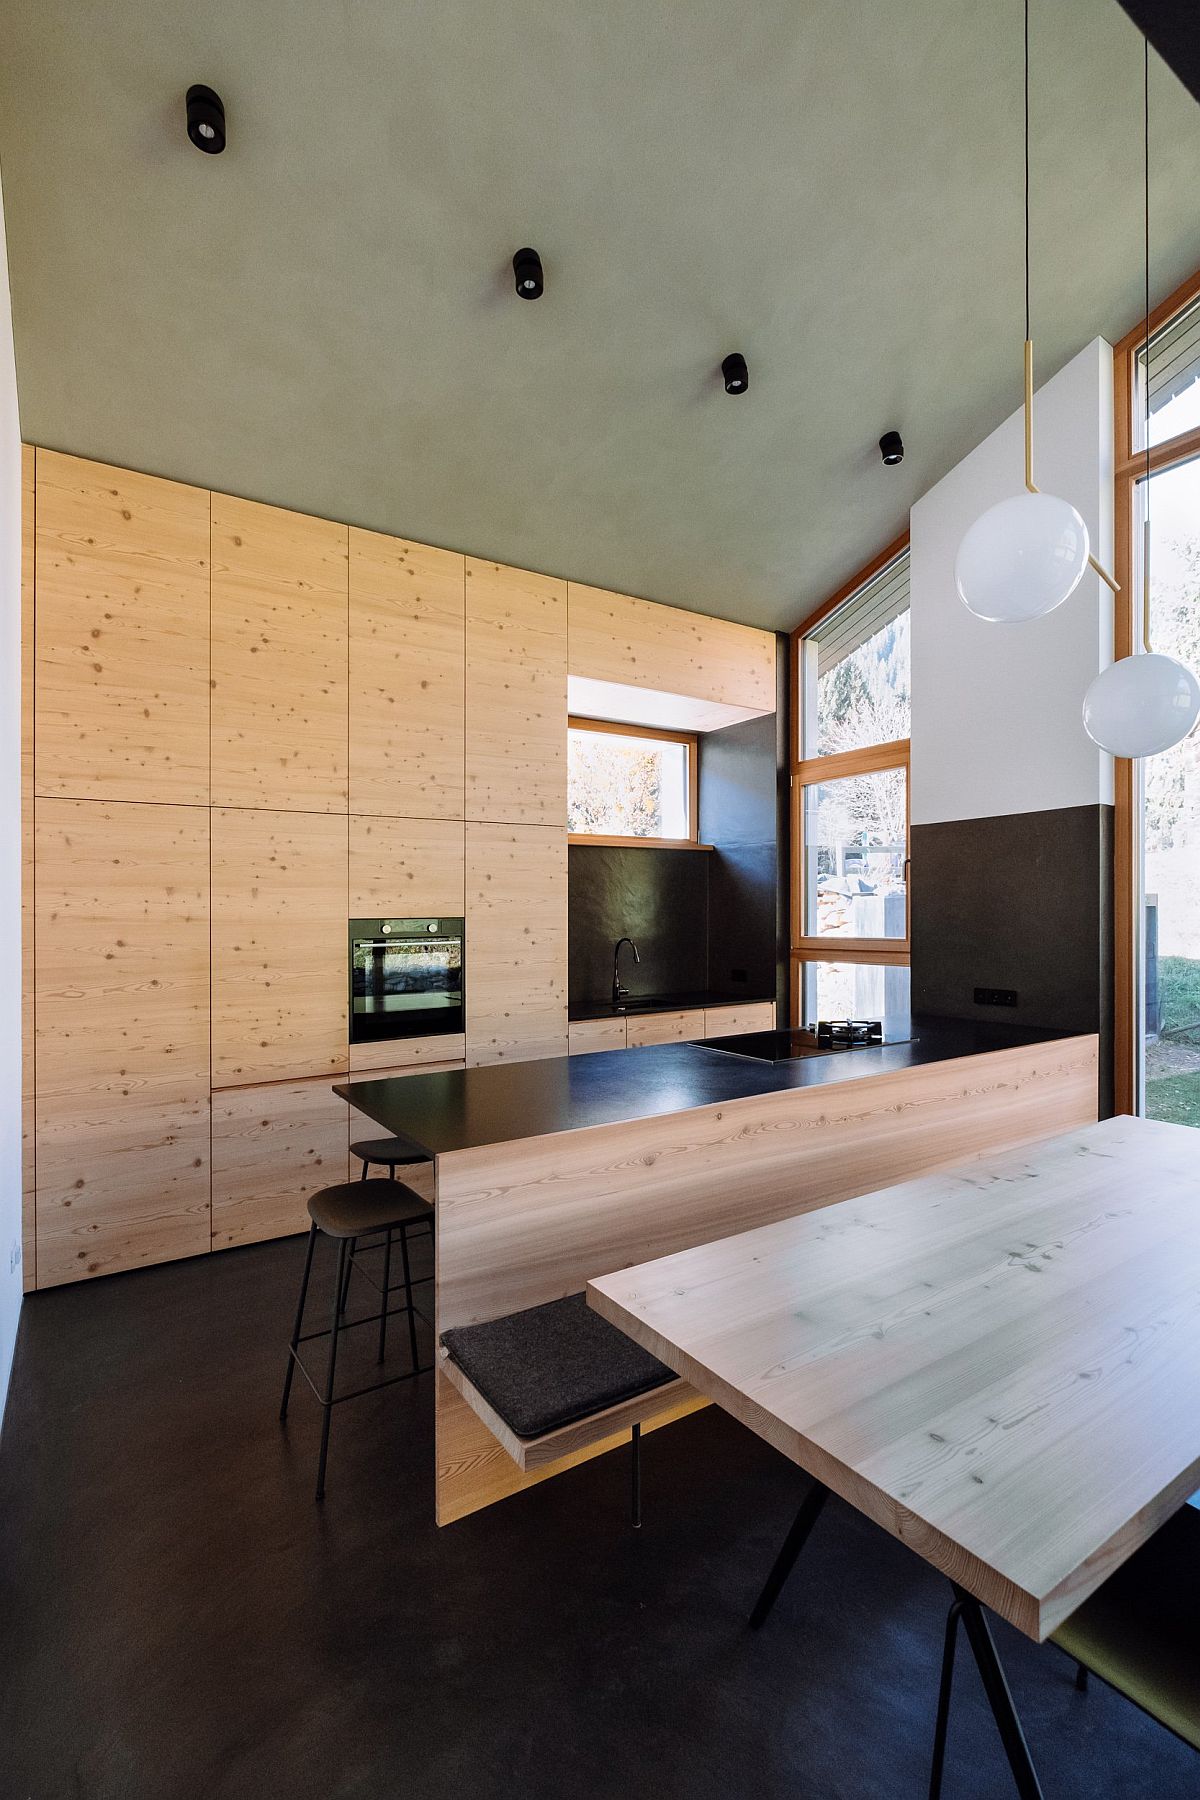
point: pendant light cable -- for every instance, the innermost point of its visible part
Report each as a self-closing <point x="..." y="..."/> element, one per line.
<point x="1146" y="343"/>
<point x="1027" y="315"/>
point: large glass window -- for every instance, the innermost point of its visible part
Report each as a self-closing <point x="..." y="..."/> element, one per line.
<point x="850" y="932"/>
<point x="1157" y="892"/>
<point x="629" y="782"/>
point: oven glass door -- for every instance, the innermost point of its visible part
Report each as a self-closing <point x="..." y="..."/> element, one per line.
<point x="405" y="987"/>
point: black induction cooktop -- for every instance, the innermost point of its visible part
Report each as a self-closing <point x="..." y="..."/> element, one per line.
<point x="830" y="1037"/>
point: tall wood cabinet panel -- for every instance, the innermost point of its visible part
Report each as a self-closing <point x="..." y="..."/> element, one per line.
<point x="122" y="1036"/>
<point x="122" y="634"/>
<point x="28" y="1052"/>
<point x="407" y="677"/>
<point x="640" y="643"/>
<point x="516" y="980"/>
<point x="271" y="1148"/>
<point x="279" y="656"/>
<point x="279" y="945"/>
<point x="516" y="696"/>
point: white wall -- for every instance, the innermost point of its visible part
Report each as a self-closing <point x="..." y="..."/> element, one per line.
<point x="996" y="708"/>
<point x="10" y="834"/>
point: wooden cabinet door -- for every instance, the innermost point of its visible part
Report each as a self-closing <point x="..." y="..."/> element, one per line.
<point x="122" y="634"/>
<point x="271" y="1148"/>
<point x="407" y="675"/>
<point x="585" y="1036"/>
<point x="734" y="1020"/>
<point x="279" y="650"/>
<point x="404" y="868"/>
<point x="640" y="643"/>
<point x="516" y="943"/>
<point x="280" y="981"/>
<point x="666" y="1028"/>
<point x="28" y="1051"/>
<point x="516" y="696"/>
<point x="122" y="1036"/>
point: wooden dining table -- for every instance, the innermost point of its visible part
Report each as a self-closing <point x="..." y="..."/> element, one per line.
<point x="998" y="1363"/>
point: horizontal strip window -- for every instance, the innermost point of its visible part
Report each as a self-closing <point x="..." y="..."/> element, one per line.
<point x="630" y="784"/>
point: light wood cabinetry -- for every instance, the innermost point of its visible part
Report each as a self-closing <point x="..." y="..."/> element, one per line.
<point x="279" y="659"/>
<point x="516" y="943"/>
<point x="516" y="696"/>
<point x="28" y="1049"/>
<point x="666" y="1028"/>
<point x="122" y="634"/>
<point x="271" y="1148"/>
<point x="279" y="946"/>
<point x="638" y="643"/>
<point x="409" y="1056"/>
<point x="587" y="1035"/>
<point x="403" y="868"/>
<point x="122" y="1036"/>
<point x="732" y="1021"/>
<point x="407" y="678"/>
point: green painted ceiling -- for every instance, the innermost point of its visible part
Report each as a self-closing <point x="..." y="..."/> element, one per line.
<point x="324" y="317"/>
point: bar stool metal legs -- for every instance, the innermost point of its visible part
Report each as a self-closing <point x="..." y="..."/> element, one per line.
<point x="387" y="1282"/>
<point x="344" y="1245"/>
<point x="292" y="1347"/>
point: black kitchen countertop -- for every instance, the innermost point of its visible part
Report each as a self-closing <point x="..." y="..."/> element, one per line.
<point x="659" y="1003"/>
<point x="461" y="1109"/>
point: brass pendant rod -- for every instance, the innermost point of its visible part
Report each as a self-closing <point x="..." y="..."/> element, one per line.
<point x="1030" y="484"/>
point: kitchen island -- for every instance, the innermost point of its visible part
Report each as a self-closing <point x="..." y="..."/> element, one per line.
<point x="549" y="1173"/>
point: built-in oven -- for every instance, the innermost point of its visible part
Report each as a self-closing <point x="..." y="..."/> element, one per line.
<point x="406" y="978"/>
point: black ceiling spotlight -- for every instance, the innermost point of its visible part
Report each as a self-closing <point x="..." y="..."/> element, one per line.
<point x="891" y="448"/>
<point x="206" y="120"/>
<point x="527" y="268"/>
<point x="737" y="375"/>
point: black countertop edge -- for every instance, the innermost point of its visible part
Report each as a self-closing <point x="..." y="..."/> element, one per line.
<point x="637" y="1004"/>
<point x="466" y="1109"/>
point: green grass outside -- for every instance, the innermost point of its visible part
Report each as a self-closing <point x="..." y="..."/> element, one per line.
<point x="1175" y="1099"/>
<point x="1179" y="996"/>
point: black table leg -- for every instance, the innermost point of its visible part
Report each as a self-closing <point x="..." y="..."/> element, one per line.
<point x="999" y="1698"/>
<point x="793" y="1544"/>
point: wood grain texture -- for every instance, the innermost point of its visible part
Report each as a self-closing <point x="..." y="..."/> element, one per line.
<point x="516" y="943"/>
<point x="279" y="913"/>
<point x="638" y="643"/>
<point x="410" y="1054"/>
<point x="584" y="1036"/>
<point x="996" y="1362"/>
<point x="405" y="868"/>
<point x="28" y="1047"/>
<point x="280" y="644"/>
<point x="271" y="1148"/>
<point x="122" y="640"/>
<point x="667" y="1028"/>
<point x="516" y="696"/>
<point x="122" y="1039"/>
<point x="407" y="678"/>
<point x="733" y="1021"/>
<point x="474" y="1469"/>
<point x="530" y="1221"/>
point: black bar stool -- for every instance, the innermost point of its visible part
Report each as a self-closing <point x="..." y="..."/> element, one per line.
<point x="346" y="1212"/>
<point x="388" y="1153"/>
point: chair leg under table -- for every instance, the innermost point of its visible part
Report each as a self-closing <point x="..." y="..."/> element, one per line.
<point x="968" y="1610"/>
<point x="793" y="1544"/>
<point x="327" y="1403"/>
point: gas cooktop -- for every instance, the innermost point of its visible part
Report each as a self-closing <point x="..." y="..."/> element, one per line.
<point x="827" y="1038"/>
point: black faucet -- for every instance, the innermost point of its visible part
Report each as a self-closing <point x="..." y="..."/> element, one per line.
<point x="620" y="993"/>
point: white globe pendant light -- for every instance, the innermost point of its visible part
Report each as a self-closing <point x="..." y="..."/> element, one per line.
<point x="1026" y="555"/>
<point x="1141" y="705"/>
<point x="1021" y="558"/>
<point x="1146" y="703"/>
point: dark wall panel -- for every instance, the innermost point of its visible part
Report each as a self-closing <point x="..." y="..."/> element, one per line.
<point x="1022" y="901"/>
<point x="657" y="897"/>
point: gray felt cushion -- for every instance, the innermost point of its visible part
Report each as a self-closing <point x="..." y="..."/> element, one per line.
<point x="398" y="1149"/>
<point x="552" y="1364"/>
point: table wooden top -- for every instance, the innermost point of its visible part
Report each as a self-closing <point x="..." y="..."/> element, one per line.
<point x="999" y="1364"/>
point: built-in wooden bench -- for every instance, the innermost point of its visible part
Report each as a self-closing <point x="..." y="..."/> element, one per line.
<point x="555" y="1378"/>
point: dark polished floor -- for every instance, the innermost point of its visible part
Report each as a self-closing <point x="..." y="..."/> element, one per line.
<point x="178" y="1621"/>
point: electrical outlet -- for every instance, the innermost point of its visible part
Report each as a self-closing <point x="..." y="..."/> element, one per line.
<point x="995" y="996"/>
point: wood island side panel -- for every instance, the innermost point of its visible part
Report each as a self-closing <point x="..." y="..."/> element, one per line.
<point x="534" y="1220"/>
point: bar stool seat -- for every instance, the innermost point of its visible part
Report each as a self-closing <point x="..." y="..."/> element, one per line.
<point x="350" y="1209"/>
<point x="389" y="1151"/>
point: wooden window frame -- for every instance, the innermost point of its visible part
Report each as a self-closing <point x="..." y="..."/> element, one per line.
<point x="690" y="741"/>
<point x="809" y="771"/>
<point x="1130" y="469"/>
